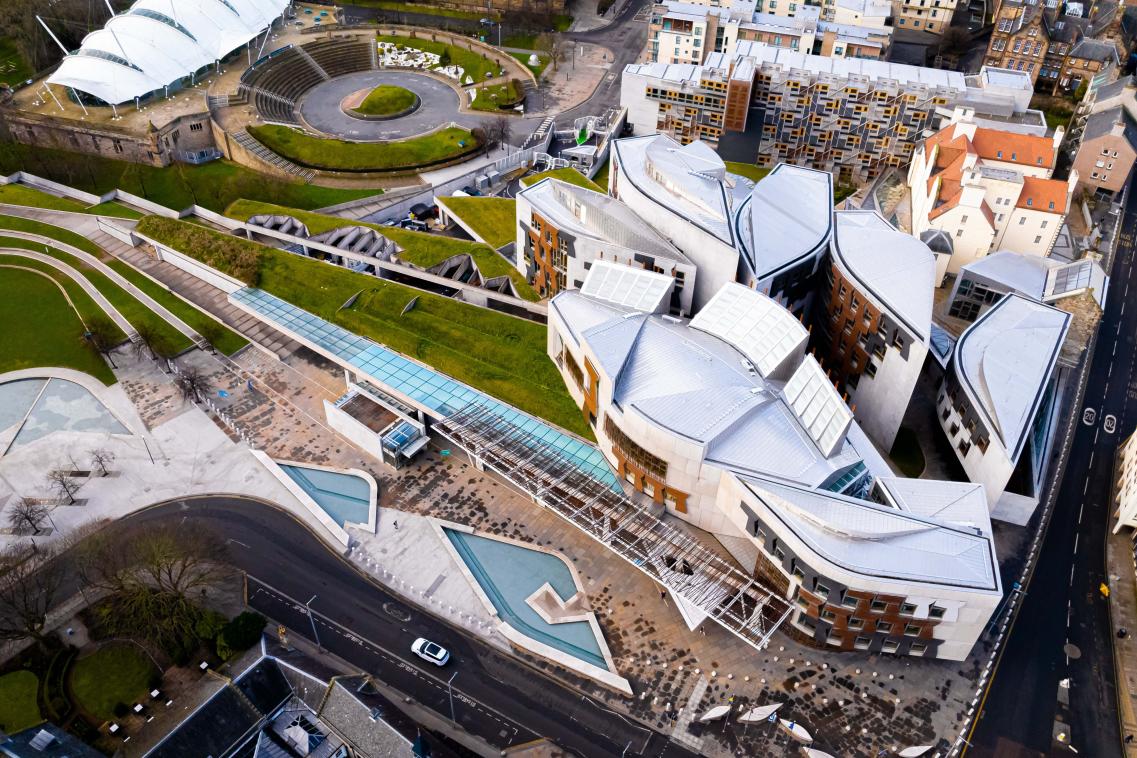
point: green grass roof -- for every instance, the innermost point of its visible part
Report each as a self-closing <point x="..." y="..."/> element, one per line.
<point x="491" y="217"/>
<point x="567" y="174"/>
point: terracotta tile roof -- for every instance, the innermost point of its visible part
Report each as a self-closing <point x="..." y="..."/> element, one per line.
<point x="1047" y="195"/>
<point x="1008" y="147"/>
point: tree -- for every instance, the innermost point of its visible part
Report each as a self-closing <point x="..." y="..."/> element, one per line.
<point x="27" y="514"/>
<point x="62" y="482"/>
<point x="954" y="42"/>
<point x="499" y="130"/>
<point x="444" y="57"/>
<point x="192" y="384"/>
<point x="101" y="458"/>
<point x="30" y="583"/>
<point x="143" y="346"/>
<point x="211" y="332"/>
<point x="103" y="335"/>
<point x="550" y="44"/>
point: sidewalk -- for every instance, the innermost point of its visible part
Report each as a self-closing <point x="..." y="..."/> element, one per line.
<point x="1123" y="614"/>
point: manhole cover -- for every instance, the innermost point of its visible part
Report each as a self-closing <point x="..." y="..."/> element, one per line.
<point x="1071" y="650"/>
<point x="402" y="614"/>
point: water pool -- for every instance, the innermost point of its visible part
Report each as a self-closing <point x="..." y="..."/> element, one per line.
<point x="509" y="574"/>
<point x="344" y="497"/>
<point x="60" y="406"/>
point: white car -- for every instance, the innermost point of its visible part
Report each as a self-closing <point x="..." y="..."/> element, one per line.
<point x="430" y="651"/>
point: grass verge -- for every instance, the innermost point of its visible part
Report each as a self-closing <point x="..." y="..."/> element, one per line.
<point x="339" y="155"/>
<point x="211" y="185"/>
<point x="419" y="248"/>
<point x="749" y="170"/>
<point x="385" y="100"/>
<point x="491" y="217"/>
<point x="523" y="59"/>
<point x="498" y="354"/>
<point x="567" y="174"/>
<point x="497" y="97"/>
<point x="41" y="329"/>
<point x="18" y="707"/>
<point x="117" y="673"/>
<point x="89" y="310"/>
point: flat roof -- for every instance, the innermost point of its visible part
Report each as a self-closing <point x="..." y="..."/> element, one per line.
<point x="1025" y="274"/>
<point x="872" y="70"/>
<point x="1005" y="361"/>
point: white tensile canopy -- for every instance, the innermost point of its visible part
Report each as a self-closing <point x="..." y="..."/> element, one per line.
<point x="716" y="713"/>
<point x="760" y="713"/>
<point x="158" y="42"/>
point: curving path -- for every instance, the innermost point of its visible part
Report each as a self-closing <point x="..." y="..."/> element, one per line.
<point x="438" y="105"/>
<point x="110" y="273"/>
<point x="79" y="279"/>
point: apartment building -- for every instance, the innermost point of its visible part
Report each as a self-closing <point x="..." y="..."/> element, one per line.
<point x="923" y="15"/>
<point x="564" y="230"/>
<point x="726" y="423"/>
<point x="1019" y="40"/>
<point x="989" y="189"/>
<point x="852" y="117"/>
<point x="869" y="13"/>
<point x="996" y="401"/>
<point x="1107" y="150"/>
<point x="1125" y="485"/>
<point x="873" y="332"/>
<point x="1087" y="59"/>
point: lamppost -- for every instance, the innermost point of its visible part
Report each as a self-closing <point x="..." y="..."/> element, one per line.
<point x="312" y="619"/>
<point x="450" y="690"/>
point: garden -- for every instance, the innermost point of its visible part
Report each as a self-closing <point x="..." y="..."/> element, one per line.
<point x="330" y="154"/>
<point x="386" y="100"/>
<point x="491" y="217"/>
<point x="570" y="175"/>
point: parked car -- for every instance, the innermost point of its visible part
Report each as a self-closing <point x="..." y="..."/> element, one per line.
<point x="430" y="651"/>
<point x="423" y="211"/>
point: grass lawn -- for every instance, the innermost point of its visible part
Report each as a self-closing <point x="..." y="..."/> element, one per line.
<point x="472" y="63"/>
<point x="419" y="248"/>
<point x="567" y="174"/>
<point x="19" y="194"/>
<point x="114" y="209"/>
<point x="543" y="61"/>
<point x="749" y="170"/>
<point x="492" y="97"/>
<point x="601" y="177"/>
<point x="41" y="329"/>
<point x="18" y="708"/>
<point x="498" y="354"/>
<point x="906" y="453"/>
<point x="491" y="217"/>
<point x="431" y="10"/>
<point x="212" y="185"/>
<point x="167" y="339"/>
<point x="842" y="191"/>
<point x="526" y="41"/>
<point x="31" y="226"/>
<point x="338" y="155"/>
<point x="385" y="100"/>
<point x="13" y="68"/>
<point x="88" y="309"/>
<point x="113" y="674"/>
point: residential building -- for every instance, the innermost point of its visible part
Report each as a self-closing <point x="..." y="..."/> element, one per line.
<point x="1107" y="150"/>
<point x="1088" y="59"/>
<point x="684" y="191"/>
<point x="852" y="117"/>
<point x="997" y="401"/>
<point x="873" y="333"/>
<point x="726" y="423"/>
<point x="983" y="283"/>
<point x="1019" y="40"/>
<point x="563" y="229"/>
<point x="923" y="15"/>
<point x="989" y="189"/>
<point x="868" y="13"/>
<point x="1125" y="485"/>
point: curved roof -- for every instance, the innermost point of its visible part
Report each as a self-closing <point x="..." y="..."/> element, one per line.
<point x="787" y="217"/>
<point x="158" y="42"/>
<point x="765" y="332"/>
<point x="896" y="270"/>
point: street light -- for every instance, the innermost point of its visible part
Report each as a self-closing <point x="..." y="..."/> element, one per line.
<point x="312" y="619"/>
<point x="450" y="690"/>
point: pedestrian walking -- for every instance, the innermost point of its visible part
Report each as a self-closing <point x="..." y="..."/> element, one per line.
<point x="396" y="526"/>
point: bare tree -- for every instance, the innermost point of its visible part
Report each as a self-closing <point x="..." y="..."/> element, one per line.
<point x="503" y="128"/>
<point x="28" y="514"/>
<point x="30" y="583"/>
<point x="62" y="482"/>
<point x="143" y="346"/>
<point x="550" y="44"/>
<point x="101" y="458"/>
<point x="192" y="384"/>
<point x="103" y="336"/>
<point x="954" y="42"/>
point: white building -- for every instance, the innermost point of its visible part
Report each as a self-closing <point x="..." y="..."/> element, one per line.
<point x="870" y="13"/>
<point x="563" y="229"/>
<point x="989" y="190"/>
<point x="1125" y="485"/>
<point x="997" y="400"/>
<point x="1045" y="280"/>
<point x="725" y="422"/>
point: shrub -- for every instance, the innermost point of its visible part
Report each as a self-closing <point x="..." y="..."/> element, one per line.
<point x="240" y="634"/>
<point x="238" y="258"/>
<point x="121" y="710"/>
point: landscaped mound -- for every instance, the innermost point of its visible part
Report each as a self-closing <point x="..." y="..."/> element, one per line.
<point x="386" y="100"/>
<point x="338" y="155"/>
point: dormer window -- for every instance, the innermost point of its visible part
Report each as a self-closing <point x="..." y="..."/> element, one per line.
<point x="1029" y="201"/>
<point x="1051" y="205"/>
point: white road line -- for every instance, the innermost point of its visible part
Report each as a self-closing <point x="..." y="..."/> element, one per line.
<point x="1085" y="486"/>
<point x="1076" y="536"/>
<point x="1092" y="458"/>
<point x="1071" y="575"/>
<point x="1096" y="433"/>
<point x="1081" y="508"/>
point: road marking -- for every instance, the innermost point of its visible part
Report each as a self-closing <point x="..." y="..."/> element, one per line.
<point x="1076" y="536"/>
<point x="1071" y="575"/>
<point x="1081" y="508"/>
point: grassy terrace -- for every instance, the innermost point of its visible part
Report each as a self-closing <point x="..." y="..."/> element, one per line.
<point x="472" y="63"/>
<point x="18" y="707"/>
<point x="385" y="100"/>
<point x="18" y="194"/>
<point x="419" y="248"/>
<point x="41" y="329"/>
<point x="220" y="336"/>
<point x="491" y="217"/>
<point x="492" y="97"/>
<point x="567" y="174"/>
<point x="89" y="310"/>
<point x="498" y="354"/>
<point x="166" y="339"/>
<point x="339" y="155"/>
<point x="749" y="170"/>
<point x="211" y="185"/>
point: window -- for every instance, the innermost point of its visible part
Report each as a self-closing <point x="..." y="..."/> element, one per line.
<point x="918" y="648"/>
<point x="862" y="643"/>
<point x="878" y="606"/>
<point x="890" y="646"/>
<point x="855" y="623"/>
<point x="196" y="127"/>
<point x="798" y="573"/>
<point x="1043" y="224"/>
<point x="1037" y="238"/>
<point x="907" y="609"/>
<point x="936" y="612"/>
<point x="828" y="615"/>
<point x="884" y="627"/>
<point x="963" y="220"/>
<point x="1022" y="219"/>
<point x="911" y="630"/>
<point x="849" y="601"/>
<point x="821" y="590"/>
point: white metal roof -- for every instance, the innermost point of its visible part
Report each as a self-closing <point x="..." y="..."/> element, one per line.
<point x="158" y="42"/>
<point x="961" y="503"/>
<point x="817" y="405"/>
<point x="637" y="288"/>
<point x="787" y="217"/>
<point x="1025" y="274"/>
<point x="879" y="541"/>
<point x="1076" y="277"/>
<point x="1005" y="361"/>
<point x="896" y="270"/>
<point x="765" y="332"/>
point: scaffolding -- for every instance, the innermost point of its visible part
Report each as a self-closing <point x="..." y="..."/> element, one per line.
<point x="703" y="579"/>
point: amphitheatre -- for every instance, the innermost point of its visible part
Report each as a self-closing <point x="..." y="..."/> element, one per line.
<point x="285" y="105"/>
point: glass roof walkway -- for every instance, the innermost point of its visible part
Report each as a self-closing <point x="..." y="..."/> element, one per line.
<point x="436" y="393"/>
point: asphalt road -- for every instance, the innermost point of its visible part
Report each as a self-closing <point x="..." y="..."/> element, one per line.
<point x="496" y="697"/>
<point x="1063" y="605"/>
